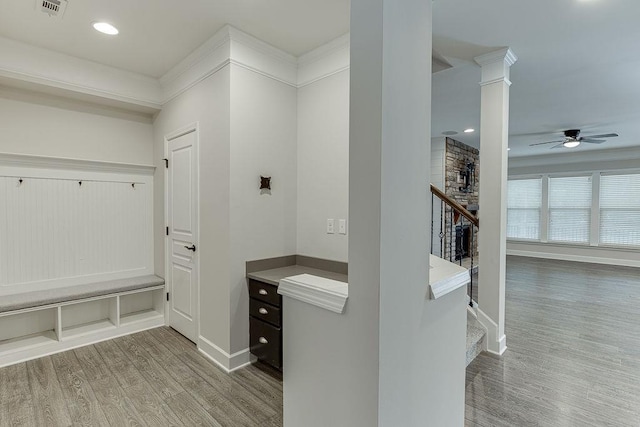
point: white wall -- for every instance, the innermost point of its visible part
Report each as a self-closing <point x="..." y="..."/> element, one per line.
<point x="576" y="162"/>
<point x="323" y="166"/>
<point x="208" y="104"/>
<point x="38" y="124"/>
<point x="55" y="232"/>
<point x="247" y="125"/>
<point x="263" y="143"/>
<point x="52" y="126"/>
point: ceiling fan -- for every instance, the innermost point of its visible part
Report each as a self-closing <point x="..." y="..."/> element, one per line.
<point x="572" y="139"/>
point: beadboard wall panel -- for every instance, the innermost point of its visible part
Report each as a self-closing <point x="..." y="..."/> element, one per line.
<point x="58" y="232"/>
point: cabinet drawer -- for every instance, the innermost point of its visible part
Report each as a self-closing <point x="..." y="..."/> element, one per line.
<point x="263" y="311"/>
<point x="266" y="342"/>
<point x="264" y="292"/>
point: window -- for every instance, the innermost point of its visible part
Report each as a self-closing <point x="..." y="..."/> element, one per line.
<point x="570" y="209"/>
<point x="620" y="210"/>
<point x="524" y="200"/>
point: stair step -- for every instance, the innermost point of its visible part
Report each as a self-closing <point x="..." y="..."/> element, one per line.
<point x="475" y="338"/>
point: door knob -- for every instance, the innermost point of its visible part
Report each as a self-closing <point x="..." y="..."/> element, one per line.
<point x="191" y="248"/>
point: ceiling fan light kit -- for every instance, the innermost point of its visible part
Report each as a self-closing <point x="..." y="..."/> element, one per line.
<point x="571" y="144"/>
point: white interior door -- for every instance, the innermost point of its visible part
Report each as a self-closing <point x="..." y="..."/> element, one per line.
<point x="182" y="248"/>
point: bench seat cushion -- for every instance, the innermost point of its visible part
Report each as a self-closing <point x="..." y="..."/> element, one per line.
<point x="70" y="293"/>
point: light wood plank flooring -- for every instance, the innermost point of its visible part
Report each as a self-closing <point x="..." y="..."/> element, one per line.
<point x="573" y="349"/>
<point x="153" y="378"/>
<point x="573" y="359"/>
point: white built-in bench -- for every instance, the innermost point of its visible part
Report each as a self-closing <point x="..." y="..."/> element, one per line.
<point x="38" y="323"/>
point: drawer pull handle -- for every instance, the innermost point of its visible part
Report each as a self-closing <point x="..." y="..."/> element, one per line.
<point x="263" y="311"/>
<point x="263" y="340"/>
<point x="263" y="292"/>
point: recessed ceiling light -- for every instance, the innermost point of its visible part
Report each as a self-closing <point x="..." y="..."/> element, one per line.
<point x="469" y="130"/>
<point x="508" y="149"/>
<point x="105" y="28"/>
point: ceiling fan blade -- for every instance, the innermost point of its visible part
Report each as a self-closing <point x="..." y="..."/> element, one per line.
<point x="548" y="142"/>
<point x="604" y="135"/>
<point x="593" y="141"/>
<point x="559" y="146"/>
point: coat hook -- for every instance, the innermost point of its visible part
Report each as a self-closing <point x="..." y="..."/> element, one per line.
<point x="20" y="181"/>
<point x="133" y="185"/>
<point x="80" y="183"/>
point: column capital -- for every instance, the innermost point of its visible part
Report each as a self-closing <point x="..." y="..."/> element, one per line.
<point x="506" y="55"/>
<point x="495" y="65"/>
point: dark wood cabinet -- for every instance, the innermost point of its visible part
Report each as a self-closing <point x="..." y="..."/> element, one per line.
<point x="265" y="326"/>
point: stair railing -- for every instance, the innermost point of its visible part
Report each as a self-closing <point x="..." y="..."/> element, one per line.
<point x="454" y="235"/>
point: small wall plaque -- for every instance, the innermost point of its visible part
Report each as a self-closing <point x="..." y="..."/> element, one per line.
<point x="265" y="183"/>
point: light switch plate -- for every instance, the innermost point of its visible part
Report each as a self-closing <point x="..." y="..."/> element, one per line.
<point x="342" y="226"/>
<point x="330" y="226"/>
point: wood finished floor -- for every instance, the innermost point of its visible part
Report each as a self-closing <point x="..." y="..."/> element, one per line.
<point x="152" y="378"/>
<point x="573" y="359"/>
<point x="573" y="349"/>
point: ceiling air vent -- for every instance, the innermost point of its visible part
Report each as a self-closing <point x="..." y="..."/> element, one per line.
<point x="52" y="7"/>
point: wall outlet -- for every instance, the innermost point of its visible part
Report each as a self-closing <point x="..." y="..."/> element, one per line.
<point x="342" y="226"/>
<point x="330" y="226"/>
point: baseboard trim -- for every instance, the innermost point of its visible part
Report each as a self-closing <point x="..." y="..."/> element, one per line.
<point x="576" y="258"/>
<point x="495" y="344"/>
<point x="228" y="362"/>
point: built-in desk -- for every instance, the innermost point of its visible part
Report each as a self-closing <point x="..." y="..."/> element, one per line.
<point x="265" y="305"/>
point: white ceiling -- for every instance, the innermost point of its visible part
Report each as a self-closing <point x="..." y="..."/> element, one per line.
<point x="578" y="67"/>
<point x="578" y="61"/>
<point x="156" y="34"/>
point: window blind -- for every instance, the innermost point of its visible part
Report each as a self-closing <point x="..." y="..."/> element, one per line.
<point x="570" y="209"/>
<point x="620" y="210"/>
<point x="524" y="201"/>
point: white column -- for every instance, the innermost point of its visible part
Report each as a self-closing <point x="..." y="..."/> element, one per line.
<point x="395" y="357"/>
<point x="492" y="235"/>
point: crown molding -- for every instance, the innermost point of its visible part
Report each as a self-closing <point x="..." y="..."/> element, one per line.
<point x="209" y="48"/>
<point x="228" y="46"/>
<point x="45" y="162"/>
<point x="327" y="49"/>
<point x="69" y="75"/>
<point x="22" y="80"/>
<point x="324" y="61"/>
<point x="260" y="46"/>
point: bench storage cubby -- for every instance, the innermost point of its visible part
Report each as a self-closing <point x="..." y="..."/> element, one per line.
<point x="36" y="324"/>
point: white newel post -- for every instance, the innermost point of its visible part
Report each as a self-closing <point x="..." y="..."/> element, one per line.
<point x="492" y="238"/>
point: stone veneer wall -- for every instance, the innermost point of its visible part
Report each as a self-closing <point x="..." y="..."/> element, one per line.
<point x="457" y="155"/>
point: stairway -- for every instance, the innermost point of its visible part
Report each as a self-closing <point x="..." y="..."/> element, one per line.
<point x="475" y="338"/>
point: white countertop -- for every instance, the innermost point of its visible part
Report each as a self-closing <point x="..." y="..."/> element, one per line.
<point x="332" y="295"/>
<point x="445" y="276"/>
<point x="319" y="291"/>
